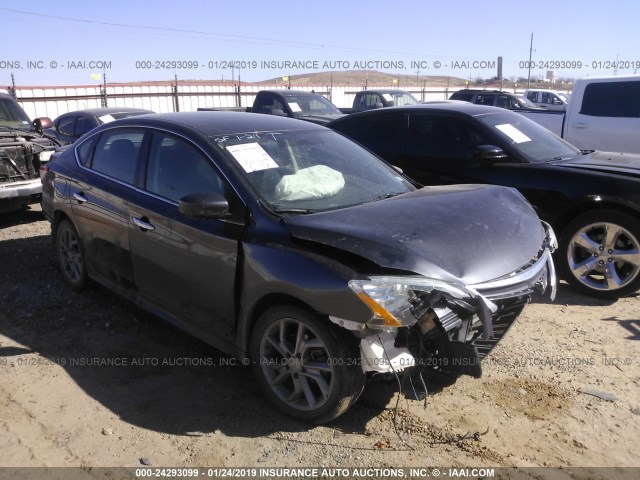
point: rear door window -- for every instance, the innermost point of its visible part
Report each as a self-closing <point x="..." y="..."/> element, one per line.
<point x="612" y="99"/>
<point x="117" y="153"/>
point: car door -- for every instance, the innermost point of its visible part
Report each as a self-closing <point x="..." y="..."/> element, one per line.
<point x="440" y="149"/>
<point x="100" y="199"/>
<point x="185" y="266"/>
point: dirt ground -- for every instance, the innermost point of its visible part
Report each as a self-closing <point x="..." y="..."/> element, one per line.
<point x="88" y="380"/>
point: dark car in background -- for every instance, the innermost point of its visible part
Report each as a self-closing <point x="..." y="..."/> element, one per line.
<point x="69" y="127"/>
<point x="283" y="242"/>
<point x="592" y="199"/>
<point x="494" y="98"/>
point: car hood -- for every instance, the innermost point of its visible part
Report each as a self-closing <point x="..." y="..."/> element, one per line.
<point x="468" y="233"/>
<point x="610" y="162"/>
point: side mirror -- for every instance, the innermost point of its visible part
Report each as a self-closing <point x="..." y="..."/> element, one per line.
<point x="41" y="123"/>
<point x="489" y="153"/>
<point x="204" y="205"/>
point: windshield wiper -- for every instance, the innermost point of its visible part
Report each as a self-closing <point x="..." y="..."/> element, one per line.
<point x="385" y="196"/>
<point x="302" y="211"/>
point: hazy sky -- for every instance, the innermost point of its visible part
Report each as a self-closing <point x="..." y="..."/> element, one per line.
<point x="64" y="42"/>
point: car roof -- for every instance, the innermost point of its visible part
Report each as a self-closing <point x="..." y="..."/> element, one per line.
<point x="466" y="108"/>
<point x="106" y="110"/>
<point x="291" y="93"/>
<point x="385" y="90"/>
<point x="211" y="123"/>
<point x="482" y="90"/>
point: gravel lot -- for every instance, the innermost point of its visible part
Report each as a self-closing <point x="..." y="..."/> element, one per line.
<point x="89" y="380"/>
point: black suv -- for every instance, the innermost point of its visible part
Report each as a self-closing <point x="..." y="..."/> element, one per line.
<point x="494" y="98"/>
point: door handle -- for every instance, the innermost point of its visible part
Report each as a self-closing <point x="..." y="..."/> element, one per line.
<point x="580" y="125"/>
<point x="79" y="196"/>
<point x="143" y="223"/>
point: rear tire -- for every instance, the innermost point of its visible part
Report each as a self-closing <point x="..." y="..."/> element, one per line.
<point x="70" y="255"/>
<point x="599" y="254"/>
<point x="307" y="367"/>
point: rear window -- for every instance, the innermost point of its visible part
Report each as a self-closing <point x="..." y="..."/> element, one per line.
<point x="462" y="96"/>
<point x="612" y="99"/>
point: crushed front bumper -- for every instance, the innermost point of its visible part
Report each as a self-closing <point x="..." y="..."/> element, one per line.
<point x="480" y="318"/>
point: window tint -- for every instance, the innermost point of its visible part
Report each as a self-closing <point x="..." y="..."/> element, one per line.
<point x="533" y="96"/>
<point x="467" y="97"/>
<point x="381" y="135"/>
<point x="270" y="105"/>
<point x="84" y="152"/>
<point x="368" y="101"/>
<point x="443" y="137"/>
<point x="83" y="125"/>
<point x="505" y="101"/>
<point x="66" y="125"/>
<point x="177" y="169"/>
<point x="117" y="153"/>
<point x="484" y="99"/>
<point x="612" y="99"/>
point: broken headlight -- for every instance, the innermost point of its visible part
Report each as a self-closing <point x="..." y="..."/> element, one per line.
<point x="402" y="301"/>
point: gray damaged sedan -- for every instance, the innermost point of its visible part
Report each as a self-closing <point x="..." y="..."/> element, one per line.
<point x="285" y="243"/>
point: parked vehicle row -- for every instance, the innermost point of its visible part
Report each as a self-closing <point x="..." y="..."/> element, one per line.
<point x="308" y="106"/>
<point x="493" y="98"/>
<point x="286" y="243"/>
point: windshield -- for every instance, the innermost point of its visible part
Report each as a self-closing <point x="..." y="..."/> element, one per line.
<point x="12" y="115"/>
<point x="403" y="98"/>
<point x="303" y="105"/>
<point x="525" y="103"/>
<point x="310" y="170"/>
<point x="534" y="142"/>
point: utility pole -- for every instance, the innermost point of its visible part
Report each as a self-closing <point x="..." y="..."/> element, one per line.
<point x="12" y="89"/>
<point x="530" y="53"/>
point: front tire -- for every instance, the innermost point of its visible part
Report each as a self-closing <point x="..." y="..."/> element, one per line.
<point x="599" y="254"/>
<point x="307" y="367"/>
<point x="70" y="255"/>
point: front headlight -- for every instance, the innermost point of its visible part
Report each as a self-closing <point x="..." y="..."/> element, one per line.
<point x="400" y="301"/>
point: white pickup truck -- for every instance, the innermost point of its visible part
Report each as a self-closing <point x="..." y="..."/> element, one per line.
<point x="602" y="114"/>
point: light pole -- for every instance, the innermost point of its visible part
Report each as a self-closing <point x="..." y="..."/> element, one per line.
<point x="530" y="53"/>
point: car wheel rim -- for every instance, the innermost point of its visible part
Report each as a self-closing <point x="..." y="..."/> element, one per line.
<point x="604" y="256"/>
<point x="70" y="255"/>
<point x="296" y="364"/>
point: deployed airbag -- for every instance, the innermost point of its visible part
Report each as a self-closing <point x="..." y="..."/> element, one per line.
<point x="310" y="183"/>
